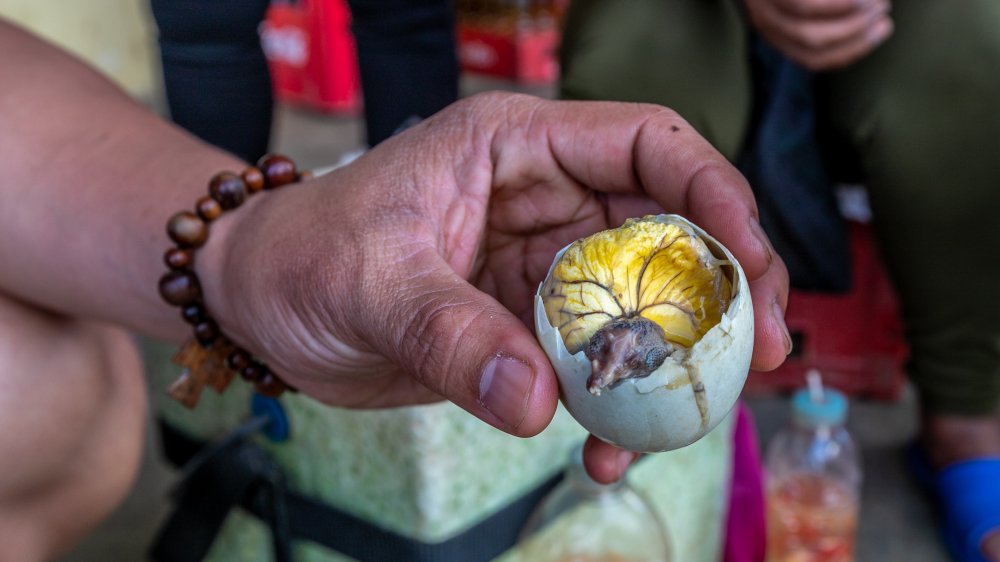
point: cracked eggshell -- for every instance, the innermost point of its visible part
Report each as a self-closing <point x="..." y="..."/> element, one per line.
<point x="660" y="412"/>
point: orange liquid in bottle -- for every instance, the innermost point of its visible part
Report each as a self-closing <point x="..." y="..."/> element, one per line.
<point x="810" y="518"/>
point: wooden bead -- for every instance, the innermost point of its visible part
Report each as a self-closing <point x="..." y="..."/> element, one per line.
<point x="253" y="178"/>
<point x="208" y="209"/>
<point x="206" y="332"/>
<point x="180" y="288"/>
<point x="270" y="385"/>
<point x="187" y="230"/>
<point x="278" y="170"/>
<point x="228" y="189"/>
<point x="253" y="372"/>
<point x="178" y="258"/>
<point x="194" y="314"/>
<point x="238" y="360"/>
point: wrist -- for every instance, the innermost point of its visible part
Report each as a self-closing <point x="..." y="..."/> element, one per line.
<point x="210" y="357"/>
<point x="217" y="267"/>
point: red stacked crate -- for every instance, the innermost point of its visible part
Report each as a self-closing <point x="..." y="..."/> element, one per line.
<point x="854" y="339"/>
<point x="511" y="39"/>
<point x="311" y="53"/>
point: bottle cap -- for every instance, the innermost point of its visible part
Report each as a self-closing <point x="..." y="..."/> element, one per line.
<point x="812" y="411"/>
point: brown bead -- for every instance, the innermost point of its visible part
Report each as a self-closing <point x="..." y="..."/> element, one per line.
<point x="306" y="175"/>
<point x="253" y="372"/>
<point x="208" y="209"/>
<point x="270" y="385"/>
<point x="253" y="178"/>
<point x="238" y="360"/>
<point x="187" y="229"/>
<point x="180" y="288"/>
<point x="178" y="258"/>
<point x="206" y="332"/>
<point x="194" y="314"/>
<point x="228" y="189"/>
<point x="278" y="170"/>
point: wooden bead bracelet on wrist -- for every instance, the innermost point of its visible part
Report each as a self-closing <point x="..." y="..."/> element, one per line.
<point x="209" y="358"/>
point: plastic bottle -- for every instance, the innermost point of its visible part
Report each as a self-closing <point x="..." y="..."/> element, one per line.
<point x="813" y="481"/>
<point x="581" y="520"/>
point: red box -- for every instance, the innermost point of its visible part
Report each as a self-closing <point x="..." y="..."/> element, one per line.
<point x="855" y="340"/>
<point x="526" y="54"/>
<point x="311" y="54"/>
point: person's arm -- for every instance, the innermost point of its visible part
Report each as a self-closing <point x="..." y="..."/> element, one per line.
<point x="89" y="179"/>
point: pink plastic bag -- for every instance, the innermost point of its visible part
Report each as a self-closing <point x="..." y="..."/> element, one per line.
<point x="746" y="531"/>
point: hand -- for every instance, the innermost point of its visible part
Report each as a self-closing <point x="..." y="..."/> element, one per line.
<point x="822" y="34"/>
<point x="409" y="275"/>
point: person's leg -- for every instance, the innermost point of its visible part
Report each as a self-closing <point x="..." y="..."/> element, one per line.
<point x="921" y="115"/>
<point x="921" y="112"/>
<point x="407" y="59"/>
<point x="689" y="55"/>
<point x="73" y="409"/>
<point x="214" y="71"/>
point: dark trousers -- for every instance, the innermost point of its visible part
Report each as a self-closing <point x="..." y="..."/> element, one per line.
<point x="917" y="118"/>
<point x="217" y="81"/>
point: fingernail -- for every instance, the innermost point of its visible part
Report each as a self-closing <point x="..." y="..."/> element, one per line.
<point x="880" y="31"/>
<point x="779" y="317"/>
<point x="624" y="460"/>
<point x="505" y="388"/>
<point x="758" y="232"/>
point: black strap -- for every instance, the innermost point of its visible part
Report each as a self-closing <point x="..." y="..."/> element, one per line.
<point x="215" y="478"/>
<point x="222" y="483"/>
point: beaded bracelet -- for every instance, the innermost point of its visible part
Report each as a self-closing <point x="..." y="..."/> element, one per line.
<point x="209" y="358"/>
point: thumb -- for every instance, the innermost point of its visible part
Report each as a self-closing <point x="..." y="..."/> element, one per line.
<point x="464" y="345"/>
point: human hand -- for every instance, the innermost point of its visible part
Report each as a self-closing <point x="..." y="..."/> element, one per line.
<point x="822" y="34"/>
<point x="409" y="276"/>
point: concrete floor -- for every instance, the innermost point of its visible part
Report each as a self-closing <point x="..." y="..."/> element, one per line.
<point x="896" y="523"/>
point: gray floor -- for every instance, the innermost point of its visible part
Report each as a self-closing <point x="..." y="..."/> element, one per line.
<point x="896" y="523"/>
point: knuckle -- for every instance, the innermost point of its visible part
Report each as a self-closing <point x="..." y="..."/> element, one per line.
<point x="424" y="340"/>
<point x="433" y="341"/>
<point x="659" y="112"/>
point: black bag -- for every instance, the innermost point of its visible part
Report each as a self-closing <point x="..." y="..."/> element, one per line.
<point x="794" y="191"/>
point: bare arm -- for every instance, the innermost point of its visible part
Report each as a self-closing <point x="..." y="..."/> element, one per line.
<point x="89" y="179"/>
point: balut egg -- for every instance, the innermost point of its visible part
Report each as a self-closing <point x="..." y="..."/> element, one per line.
<point x="649" y="327"/>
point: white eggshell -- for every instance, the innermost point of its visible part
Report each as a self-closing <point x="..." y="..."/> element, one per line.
<point x="660" y="412"/>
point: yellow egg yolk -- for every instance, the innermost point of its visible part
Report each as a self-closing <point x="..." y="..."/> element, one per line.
<point x="659" y="271"/>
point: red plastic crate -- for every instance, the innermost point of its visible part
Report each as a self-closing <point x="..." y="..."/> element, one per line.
<point x="526" y="54"/>
<point x="855" y="340"/>
<point x="311" y="54"/>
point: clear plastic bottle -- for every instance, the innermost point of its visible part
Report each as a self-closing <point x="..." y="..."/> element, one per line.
<point x="813" y="481"/>
<point x="581" y="520"/>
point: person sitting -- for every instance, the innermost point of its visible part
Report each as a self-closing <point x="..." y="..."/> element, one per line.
<point x="903" y="92"/>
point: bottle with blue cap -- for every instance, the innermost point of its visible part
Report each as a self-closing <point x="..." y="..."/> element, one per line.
<point x="813" y="480"/>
